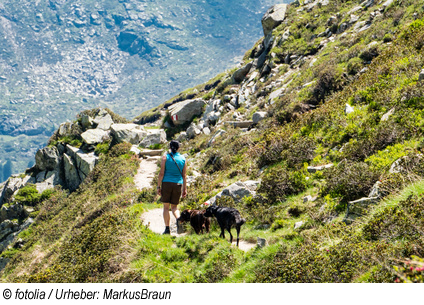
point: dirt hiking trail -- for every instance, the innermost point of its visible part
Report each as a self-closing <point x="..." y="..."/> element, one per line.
<point x="154" y="218"/>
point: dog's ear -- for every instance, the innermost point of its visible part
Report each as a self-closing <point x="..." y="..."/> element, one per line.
<point x="189" y="211"/>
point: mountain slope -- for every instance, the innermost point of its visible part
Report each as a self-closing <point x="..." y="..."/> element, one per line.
<point x="331" y="165"/>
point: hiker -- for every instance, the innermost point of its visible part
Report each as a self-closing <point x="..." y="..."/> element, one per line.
<point x="172" y="184"/>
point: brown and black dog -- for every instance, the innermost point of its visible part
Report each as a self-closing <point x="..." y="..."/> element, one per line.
<point x="197" y="220"/>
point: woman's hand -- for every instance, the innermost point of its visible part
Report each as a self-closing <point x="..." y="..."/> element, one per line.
<point x="159" y="191"/>
<point x="184" y="193"/>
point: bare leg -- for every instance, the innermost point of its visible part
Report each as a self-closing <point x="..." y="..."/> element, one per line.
<point x="166" y="216"/>
<point x="175" y="211"/>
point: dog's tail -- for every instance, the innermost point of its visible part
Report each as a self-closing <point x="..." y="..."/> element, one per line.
<point x="240" y="221"/>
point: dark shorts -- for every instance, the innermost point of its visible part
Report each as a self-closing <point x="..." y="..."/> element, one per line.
<point x="171" y="192"/>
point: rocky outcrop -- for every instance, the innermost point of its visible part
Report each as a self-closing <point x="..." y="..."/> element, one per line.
<point x="103" y="120"/>
<point x="154" y="136"/>
<point x="237" y="191"/>
<point x="258" y="116"/>
<point x="83" y="162"/>
<point x="13" y="184"/>
<point x="184" y="112"/>
<point x="47" y="158"/>
<point x="241" y="73"/>
<point x="95" y="136"/>
<point x="131" y="133"/>
<point x="273" y="17"/>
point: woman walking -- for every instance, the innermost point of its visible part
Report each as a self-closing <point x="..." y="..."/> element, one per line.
<point x="172" y="183"/>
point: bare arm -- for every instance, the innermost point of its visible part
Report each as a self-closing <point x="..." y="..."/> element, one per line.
<point x="161" y="174"/>
<point x="184" y="180"/>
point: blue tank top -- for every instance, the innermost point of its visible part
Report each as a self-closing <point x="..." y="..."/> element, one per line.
<point x="172" y="174"/>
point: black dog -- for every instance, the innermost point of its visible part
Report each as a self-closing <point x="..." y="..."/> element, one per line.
<point x="227" y="217"/>
<point x="197" y="220"/>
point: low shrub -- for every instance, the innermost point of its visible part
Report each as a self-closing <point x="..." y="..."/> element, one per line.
<point x="349" y="180"/>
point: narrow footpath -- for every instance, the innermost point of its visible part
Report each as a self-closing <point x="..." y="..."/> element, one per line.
<point x="153" y="218"/>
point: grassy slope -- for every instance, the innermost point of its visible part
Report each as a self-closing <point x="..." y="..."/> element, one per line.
<point x="324" y="249"/>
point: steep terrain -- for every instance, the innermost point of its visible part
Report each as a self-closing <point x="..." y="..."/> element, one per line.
<point x="59" y="57"/>
<point x="317" y="139"/>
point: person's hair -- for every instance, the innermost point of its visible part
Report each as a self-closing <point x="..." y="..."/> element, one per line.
<point x="174" y="146"/>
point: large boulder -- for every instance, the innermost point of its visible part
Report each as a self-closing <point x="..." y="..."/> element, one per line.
<point x="47" y="180"/>
<point x="185" y="111"/>
<point x="47" y="158"/>
<point x="95" y="136"/>
<point x="7" y="227"/>
<point x="154" y="136"/>
<point x="87" y="121"/>
<point x="273" y="17"/>
<point x="241" y="73"/>
<point x="13" y="184"/>
<point x="192" y="131"/>
<point x="103" y="120"/>
<point x="71" y="173"/>
<point x="258" y="116"/>
<point x="12" y="212"/>
<point x="84" y="162"/>
<point x="131" y="133"/>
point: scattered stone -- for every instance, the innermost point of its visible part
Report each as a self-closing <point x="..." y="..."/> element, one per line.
<point x="358" y="208"/>
<point x="182" y="136"/>
<point x="314" y="169"/>
<point x="421" y="76"/>
<point x="240" y="124"/>
<point x="386" y="116"/>
<point x="307" y="198"/>
<point x="151" y="152"/>
<point x="193" y="131"/>
<point x="241" y="73"/>
<point x="258" y="116"/>
<point x="206" y="131"/>
<point x="135" y="150"/>
<point x="376" y="191"/>
<point x="12" y="212"/>
<point x="349" y="109"/>
<point x="275" y="94"/>
<point x="261" y="242"/>
<point x="298" y="224"/>
<point x="216" y="135"/>
<point x="252" y="185"/>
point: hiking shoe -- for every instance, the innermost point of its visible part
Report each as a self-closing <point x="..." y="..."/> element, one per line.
<point x="180" y="228"/>
<point x="167" y="231"/>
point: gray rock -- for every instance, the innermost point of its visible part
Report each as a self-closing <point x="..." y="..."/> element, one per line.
<point x="12" y="212"/>
<point x="51" y="179"/>
<point x="240" y="124"/>
<point x="261" y="242"/>
<point x="421" y="76"/>
<point x="131" y="133"/>
<point x="71" y="173"/>
<point x="13" y="184"/>
<point x="192" y="131"/>
<point x="237" y="191"/>
<point x="358" y="208"/>
<point x="182" y="136"/>
<point x="349" y="109"/>
<point x="206" y="131"/>
<point x="314" y="169"/>
<point x="151" y="152"/>
<point x="252" y="185"/>
<point x="86" y="121"/>
<point x="273" y="17"/>
<point x="65" y="129"/>
<point x="258" y="116"/>
<point x="154" y="136"/>
<point x="103" y="120"/>
<point x="47" y="158"/>
<point x="298" y="224"/>
<point x="217" y="134"/>
<point x="275" y="94"/>
<point x="241" y="73"/>
<point x="95" y="136"/>
<point x="307" y="198"/>
<point x="376" y="191"/>
<point x="84" y="162"/>
<point x="386" y="4"/>
<point x="184" y="111"/>
<point x="386" y="116"/>
<point x="7" y="227"/>
<point x="3" y="262"/>
<point x="135" y="150"/>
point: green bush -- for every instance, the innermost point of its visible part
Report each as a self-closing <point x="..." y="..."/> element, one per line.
<point x="120" y="149"/>
<point x="28" y="195"/>
<point x="102" y="148"/>
<point x="349" y="181"/>
<point x="278" y="183"/>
